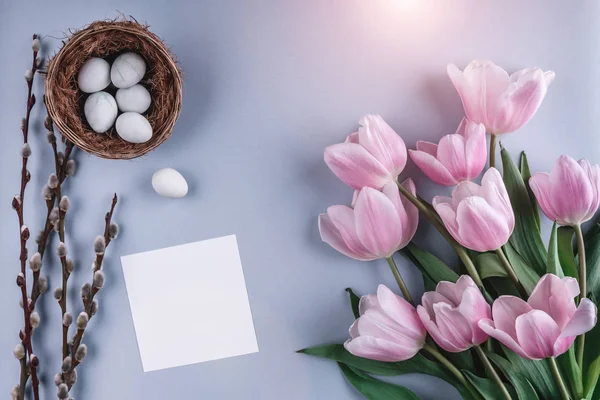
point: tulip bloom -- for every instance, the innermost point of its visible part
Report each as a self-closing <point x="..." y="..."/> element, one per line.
<point x="458" y="157"/>
<point x="501" y="102"/>
<point x="388" y="328"/>
<point x="451" y="314"/>
<point x="373" y="156"/>
<point x="544" y="326"/>
<point x="570" y="193"/>
<point x="480" y="218"/>
<point x="380" y="224"/>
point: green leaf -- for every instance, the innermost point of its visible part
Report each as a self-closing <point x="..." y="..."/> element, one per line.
<point x="592" y="255"/>
<point x="462" y="360"/>
<point x="488" y="265"/>
<point x="566" y="254"/>
<point x="374" y="389"/>
<point x="591" y="359"/>
<point x="354" y="301"/>
<point x="526" y="237"/>
<point x="429" y="265"/>
<point x="526" y="174"/>
<point x="568" y="365"/>
<point x="523" y="387"/>
<point x="417" y="364"/>
<point x="527" y="276"/>
<point x="537" y="372"/>
<point x="553" y="264"/>
<point x="487" y="387"/>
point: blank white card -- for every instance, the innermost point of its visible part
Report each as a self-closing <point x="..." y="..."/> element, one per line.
<point x="189" y="303"/>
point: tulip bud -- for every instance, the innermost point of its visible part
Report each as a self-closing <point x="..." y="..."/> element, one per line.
<point x="19" y="351"/>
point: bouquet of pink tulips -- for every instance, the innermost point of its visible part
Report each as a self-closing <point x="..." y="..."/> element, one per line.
<point x="518" y="321"/>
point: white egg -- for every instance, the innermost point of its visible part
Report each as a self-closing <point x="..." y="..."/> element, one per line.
<point x="94" y="75"/>
<point x="127" y="70"/>
<point x="136" y="99"/>
<point x="169" y="182"/>
<point x="133" y="127"/>
<point x="100" y="111"/>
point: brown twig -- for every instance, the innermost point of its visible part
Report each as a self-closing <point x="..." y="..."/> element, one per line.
<point x="88" y="301"/>
<point x="18" y="204"/>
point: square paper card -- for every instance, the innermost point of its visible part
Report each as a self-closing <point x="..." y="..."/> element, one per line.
<point x="189" y="303"/>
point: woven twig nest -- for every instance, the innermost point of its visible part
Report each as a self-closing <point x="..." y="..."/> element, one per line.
<point x="108" y="39"/>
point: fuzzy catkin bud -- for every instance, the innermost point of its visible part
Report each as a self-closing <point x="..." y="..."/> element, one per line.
<point x="47" y="193"/>
<point x="98" y="279"/>
<point x="82" y="320"/>
<point x="15" y="392"/>
<point x="67" y="364"/>
<point x="25" y="232"/>
<point x="81" y="352"/>
<point x="99" y="245"/>
<point x="53" y="181"/>
<point x="36" y="45"/>
<point x="64" y="203"/>
<point x="19" y="351"/>
<point x="38" y="61"/>
<point x="51" y="137"/>
<point x="72" y="378"/>
<point x="25" y="150"/>
<point x="58" y="293"/>
<point x="42" y="285"/>
<point x="16" y="202"/>
<point x="86" y="291"/>
<point x="61" y="250"/>
<point x="69" y="266"/>
<point x="70" y="167"/>
<point x="29" y="75"/>
<point x="23" y="123"/>
<point x="67" y="319"/>
<point x="34" y="319"/>
<point x="58" y="379"/>
<point x="61" y="157"/>
<point x="63" y="391"/>
<point x="94" y="307"/>
<point x="113" y="230"/>
<point x="35" y="262"/>
<point x="54" y="216"/>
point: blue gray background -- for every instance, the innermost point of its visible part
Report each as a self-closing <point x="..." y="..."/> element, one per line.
<point x="269" y="84"/>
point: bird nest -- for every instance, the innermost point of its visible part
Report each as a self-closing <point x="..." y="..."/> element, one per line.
<point x="108" y="39"/>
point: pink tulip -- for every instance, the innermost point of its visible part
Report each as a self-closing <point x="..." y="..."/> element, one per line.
<point x="478" y="217"/>
<point x="500" y="102"/>
<point x="452" y="312"/>
<point x="458" y="157"/>
<point x="373" y="156"/>
<point x="388" y="328"/>
<point x="570" y="193"/>
<point x="544" y="326"/>
<point x="380" y="224"/>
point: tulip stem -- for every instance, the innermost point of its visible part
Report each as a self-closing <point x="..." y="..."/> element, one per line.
<point x="564" y="394"/>
<point x="492" y="151"/>
<point x="490" y="368"/>
<point x="434" y="220"/>
<point x="399" y="280"/>
<point x="511" y="273"/>
<point x="455" y="371"/>
<point x="582" y="287"/>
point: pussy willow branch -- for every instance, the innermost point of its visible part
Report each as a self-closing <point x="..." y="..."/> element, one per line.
<point x="18" y="205"/>
<point x="87" y="302"/>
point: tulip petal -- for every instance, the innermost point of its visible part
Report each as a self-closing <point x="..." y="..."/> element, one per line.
<point x="376" y="323"/>
<point x="400" y="310"/>
<point x="434" y="332"/>
<point x="332" y="236"/>
<point x="464" y="190"/>
<point x="452" y="154"/>
<point x="474" y="308"/>
<point x="427" y="147"/>
<point x="572" y="286"/>
<point x="453" y="325"/>
<point x="487" y="325"/>
<point x="377" y="223"/>
<point x="480" y="227"/>
<point x="476" y="149"/>
<point x="593" y="172"/>
<point x="583" y="320"/>
<point x="429" y="299"/>
<point x="383" y="143"/>
<point x="552" y="296"/>
<point x="354" y="166"/>
<point x="366" y="302"/>
<point x="443" y="206"/>
<point x="494" y="192"/>
<point x="379" y="349"/>
<point x="542" y="189"/>
<point x="432" y="167"/>
<point x="407" y="211"/>
<point x="450" y="291"/>
<point x="344" y="220"/>
<point x="506" y="310"/>
<point x="536" y="333"/>
<point x="525" y="98"/>
<point x="572" y="192"/>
